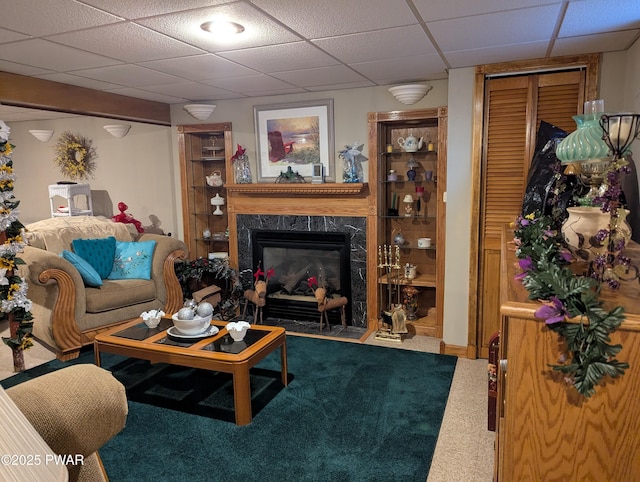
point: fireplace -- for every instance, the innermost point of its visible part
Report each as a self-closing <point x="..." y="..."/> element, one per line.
<point x="338" y="243"/>
<point x="302" y="261"/>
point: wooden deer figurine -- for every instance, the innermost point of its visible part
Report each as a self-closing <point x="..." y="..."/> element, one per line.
<point x="325" y="304"/>
<point x="258" y="297"/>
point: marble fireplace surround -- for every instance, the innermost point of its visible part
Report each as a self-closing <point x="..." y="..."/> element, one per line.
<point x="354" y="226"/>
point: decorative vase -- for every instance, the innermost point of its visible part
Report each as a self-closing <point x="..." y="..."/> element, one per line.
<point x="582" y="227"/>
<point x="411" y="302"/>
<point x="411" y="174"/>
<point x="242" y="170"/>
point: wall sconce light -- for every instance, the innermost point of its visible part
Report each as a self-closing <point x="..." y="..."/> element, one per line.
<point x="411" y="93"/>
<point x="118" y="130"/>
<point x="200" y="111"/>
<point x="41" y="134"/>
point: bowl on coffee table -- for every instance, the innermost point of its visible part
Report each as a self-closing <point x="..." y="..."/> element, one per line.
<point x="193" y="327"/>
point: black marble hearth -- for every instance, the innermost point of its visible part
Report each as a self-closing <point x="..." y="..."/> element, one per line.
<point x="355" y="227"/>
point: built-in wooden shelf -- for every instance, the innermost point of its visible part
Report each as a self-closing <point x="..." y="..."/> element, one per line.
<point x="328" y="189"/>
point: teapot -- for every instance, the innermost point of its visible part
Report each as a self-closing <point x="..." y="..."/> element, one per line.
<point x="410" y="144"/>
<point x="215" y="179"/>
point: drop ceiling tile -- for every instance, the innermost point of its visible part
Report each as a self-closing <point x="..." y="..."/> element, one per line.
<point x="379" y="45"/>
<point x="128" y="75"/>
<point x="38" y="18"/>
<point x="290" y="90"/>
<point x="252" y="83"/>
<point x="16" y="68"/>
<point x="431" y="11"/>
<point x="337" y="17"/>
<point x="401" y="68"/>
<point x="320" y="76"/>
<point x="604" y="42"/>
<point x="77" y="80"/>
<point x="338" y="86"/>
<point x="490" y="30"/>
<point x="48" y="55"/>
<point x="598" y="16"/>
<point x="500" y="53"/>
<point x="259" y="29"/>
<point x="143" y="94"/>
<point x="279" y="58"/>
<point x="141" y="43"/>
<point x="132" y="9"/>
<point x="193" y="91"/>
<point x="199" y="67"/>
<point x="10" y="36"/>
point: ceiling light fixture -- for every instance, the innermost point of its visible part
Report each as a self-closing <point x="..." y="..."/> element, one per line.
<point x="118" y="130"/>
<point x="200" y="111"/>
<point x="41" y="134"/>
<point x="411" y="93"/>
<point x="222" y="27"/>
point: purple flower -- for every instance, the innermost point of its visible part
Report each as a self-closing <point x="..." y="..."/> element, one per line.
<point x="565" y="256"/>
<point x="553" y="312"/>
<point x="526" y="263"/>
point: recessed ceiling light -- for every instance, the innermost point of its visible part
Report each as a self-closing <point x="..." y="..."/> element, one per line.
<point x="222" y="27"/>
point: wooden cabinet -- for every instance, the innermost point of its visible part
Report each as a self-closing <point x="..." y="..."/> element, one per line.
<point x="205" y="152"/>
<point x="546" y="430"/>
<point x="406" y="224"/>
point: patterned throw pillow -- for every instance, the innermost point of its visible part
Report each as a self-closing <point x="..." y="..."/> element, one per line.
<point x="89" y="275"/>
<point x="99" y="253"/>
<point x="132" y="260"/>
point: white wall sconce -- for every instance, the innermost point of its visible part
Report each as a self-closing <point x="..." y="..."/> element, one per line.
<point x="411" y="93"/>
<point x="41" y="134"/>
<point x="200" y="111"/>
<point x="118" y="130"/>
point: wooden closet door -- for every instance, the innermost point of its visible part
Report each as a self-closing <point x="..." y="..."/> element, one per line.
<point x="514" y="107"/>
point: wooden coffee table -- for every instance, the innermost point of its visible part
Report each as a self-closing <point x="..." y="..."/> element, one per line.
<point x="216" y="353"/>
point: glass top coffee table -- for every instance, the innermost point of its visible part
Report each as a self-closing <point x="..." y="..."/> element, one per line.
<point x="217" y="352"/>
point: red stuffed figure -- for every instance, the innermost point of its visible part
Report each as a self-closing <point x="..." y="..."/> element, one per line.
<point x="127" y="218"/>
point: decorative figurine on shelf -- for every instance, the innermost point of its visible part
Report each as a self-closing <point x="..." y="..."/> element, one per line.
<point x="408" y="205"/>
<point x="352" y="162"/>
<point x="289" y="177"/>
<point x="217" y="201"/>
<point x="411" y="173"/>
<point x="411" y="302"/>
<point x="241" y="166"/>
<point x="127" y="218"/>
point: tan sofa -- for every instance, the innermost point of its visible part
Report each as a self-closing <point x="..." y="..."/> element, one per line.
<point x="67" y="314"/>
<point x="74" y="411"/>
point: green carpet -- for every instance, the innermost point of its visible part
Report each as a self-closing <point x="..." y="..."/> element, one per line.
<point x="351" y="412"/>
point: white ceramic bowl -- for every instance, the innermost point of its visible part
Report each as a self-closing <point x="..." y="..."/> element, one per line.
<point x="238" y="329"/>
<point x="191" y="327"/>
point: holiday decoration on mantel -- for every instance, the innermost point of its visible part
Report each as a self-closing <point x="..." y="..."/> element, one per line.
<point x="14" y="304"/>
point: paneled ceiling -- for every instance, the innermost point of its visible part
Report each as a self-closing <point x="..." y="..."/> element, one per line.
<point x="156" y="50"/>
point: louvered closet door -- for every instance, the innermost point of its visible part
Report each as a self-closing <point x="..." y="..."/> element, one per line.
<point x="514" y="108"/>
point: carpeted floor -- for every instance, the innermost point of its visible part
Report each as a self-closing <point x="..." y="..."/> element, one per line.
<point x="351" y="412"/>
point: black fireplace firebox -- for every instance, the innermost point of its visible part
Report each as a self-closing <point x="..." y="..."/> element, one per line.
<point x="296" y="258"/>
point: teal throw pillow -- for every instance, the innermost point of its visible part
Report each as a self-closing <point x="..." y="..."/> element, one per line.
<point x="89" y="275"/>
<point x="133" y="260"/>
<point x="99" y="253"/>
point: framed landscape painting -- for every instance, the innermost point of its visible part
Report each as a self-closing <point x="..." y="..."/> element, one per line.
<point x="296" y="135"/>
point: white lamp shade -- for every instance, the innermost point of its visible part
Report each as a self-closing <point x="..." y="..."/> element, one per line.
<point x="409" y="94"/>
<point x="200" y="111"/>
<point x="118" y="130"/>
<point x="41" y="134"/>
<point x="407" y="198"/>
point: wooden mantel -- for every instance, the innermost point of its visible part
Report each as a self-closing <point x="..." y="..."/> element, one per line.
<point x="325" y="189"/>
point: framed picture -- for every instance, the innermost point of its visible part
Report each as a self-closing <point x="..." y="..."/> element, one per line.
<point x="296" y="135"/>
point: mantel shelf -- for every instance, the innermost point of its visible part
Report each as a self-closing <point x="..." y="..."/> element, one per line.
<point x="336" y="189"/>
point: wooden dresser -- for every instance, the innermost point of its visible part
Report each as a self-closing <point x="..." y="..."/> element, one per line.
<point x="546" y="430"/>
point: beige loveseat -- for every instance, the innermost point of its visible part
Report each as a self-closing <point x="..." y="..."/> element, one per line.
<point x="66" y="313"/>
<point x="69" y="413"/>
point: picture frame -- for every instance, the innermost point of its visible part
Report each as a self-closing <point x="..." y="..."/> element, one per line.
<point x="296" y="135"/>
